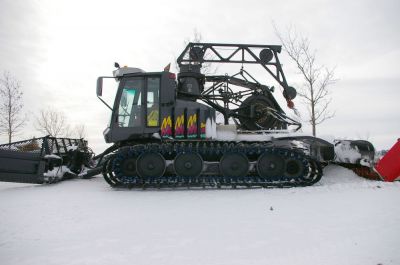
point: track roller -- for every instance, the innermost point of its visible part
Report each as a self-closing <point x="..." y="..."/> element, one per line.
<point x="188" y="165"/>
<point x="150" y="165"/>
<point x="234" y="165"/>
<point x="271" y="166"/>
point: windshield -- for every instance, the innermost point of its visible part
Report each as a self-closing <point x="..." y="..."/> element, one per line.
<point x="129" y="111"/>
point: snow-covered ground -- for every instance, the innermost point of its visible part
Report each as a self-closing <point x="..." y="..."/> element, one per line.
<point x="343" y="219"/>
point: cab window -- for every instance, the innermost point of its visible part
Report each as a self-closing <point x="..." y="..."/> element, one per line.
<point x="129" y="111"/>
<point x="153" y="101"/>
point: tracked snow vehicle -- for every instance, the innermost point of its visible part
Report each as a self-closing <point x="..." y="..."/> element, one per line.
<point x="165" y="132"/>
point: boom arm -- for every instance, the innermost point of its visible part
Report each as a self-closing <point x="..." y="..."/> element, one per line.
<point x="194" y="53"/>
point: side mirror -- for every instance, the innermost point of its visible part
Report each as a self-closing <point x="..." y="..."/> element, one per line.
<point x="99" y="87"/>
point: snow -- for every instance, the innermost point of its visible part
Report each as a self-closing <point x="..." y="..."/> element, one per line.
<point x="211" y="128"/>
<point x="230" y="133"/>
<point x="343" y="219"/>
<point x="57" y="172"/>
<point x="72" y="148"/>
<point x="52" y="156"/>
<point x="221" y="132"/>
<point x="346" y="154"/>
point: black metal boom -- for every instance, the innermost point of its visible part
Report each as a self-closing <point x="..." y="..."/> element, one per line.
<point x="267" y="57"/>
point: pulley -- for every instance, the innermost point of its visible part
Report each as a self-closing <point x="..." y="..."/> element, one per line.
<point x="257" y="112"/>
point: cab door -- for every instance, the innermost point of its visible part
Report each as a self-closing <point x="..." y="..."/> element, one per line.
<point x="128" y="113"/>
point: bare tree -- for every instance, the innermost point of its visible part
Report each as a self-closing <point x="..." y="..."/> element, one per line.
<point x="80" y="131"/>
<point x="12" y="119"/>
<point x="52" y="122"/>
<point x="317" y="78"/>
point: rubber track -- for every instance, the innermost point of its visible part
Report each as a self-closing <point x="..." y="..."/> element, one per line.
<point x="210" y="152"/>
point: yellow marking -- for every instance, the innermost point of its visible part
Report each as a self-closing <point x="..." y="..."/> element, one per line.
<point x="152" y="118"/>
<point x="166" y="122"/>
<point x="179" y="121"/>
<point x="192" y="120"/>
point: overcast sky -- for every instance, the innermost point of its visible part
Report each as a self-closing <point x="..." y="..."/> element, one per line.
<point x="56" y="49"/>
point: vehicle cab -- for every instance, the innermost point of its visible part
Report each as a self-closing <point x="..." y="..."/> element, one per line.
<point x="139" y="103"/>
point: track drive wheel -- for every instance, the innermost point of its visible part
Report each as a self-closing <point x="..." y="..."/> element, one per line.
<point x="293" y="168"/>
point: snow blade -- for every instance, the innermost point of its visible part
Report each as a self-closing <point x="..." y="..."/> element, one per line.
<point x="43" y="160"/>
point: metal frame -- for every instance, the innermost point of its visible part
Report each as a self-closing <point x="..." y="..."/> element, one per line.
<point x="220" y="96"/>
<point x="243" y="49"/>
<point x="26" y="162"/>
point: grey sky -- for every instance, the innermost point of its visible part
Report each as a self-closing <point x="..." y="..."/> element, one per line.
<point x="58" y="48"/>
